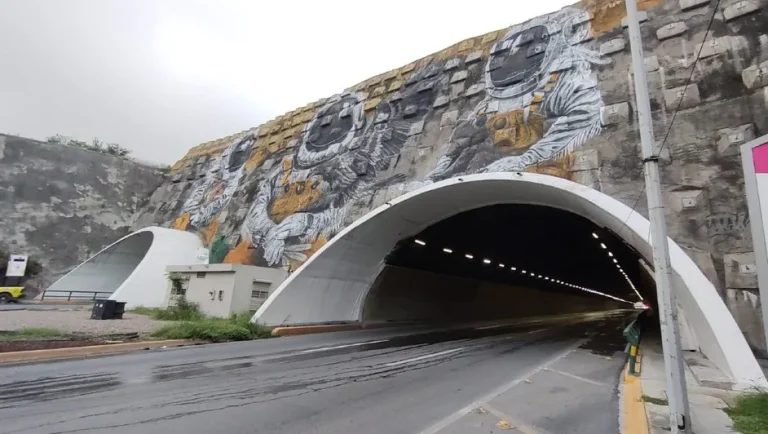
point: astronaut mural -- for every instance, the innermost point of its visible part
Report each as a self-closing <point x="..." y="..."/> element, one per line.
<point x="541" y="101"/>
<point x="212" y="193"/>
<point x="303" y="200"/>
<point x="519" y="102"/>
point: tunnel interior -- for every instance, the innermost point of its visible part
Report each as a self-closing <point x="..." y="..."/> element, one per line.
<point x="106" y="271"/>
<point x="507" y="261"/>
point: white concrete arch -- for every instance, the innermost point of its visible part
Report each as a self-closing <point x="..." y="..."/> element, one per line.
<point x="331" y="286"/>
<point x="133" y="267"/>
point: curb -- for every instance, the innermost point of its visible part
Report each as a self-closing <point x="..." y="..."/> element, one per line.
<point x="307" y="330"/>
<point x="633" y="417"/>
<point x="93" y="350"/>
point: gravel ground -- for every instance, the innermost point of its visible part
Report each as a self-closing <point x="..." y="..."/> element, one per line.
<point x="78" y="321"/>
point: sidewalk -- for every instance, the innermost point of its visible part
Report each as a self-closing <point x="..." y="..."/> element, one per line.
<point x="709" y="391"/>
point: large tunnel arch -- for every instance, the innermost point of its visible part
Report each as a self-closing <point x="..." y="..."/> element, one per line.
<point x="332" y="285"/>
<point x="132" y="269"/>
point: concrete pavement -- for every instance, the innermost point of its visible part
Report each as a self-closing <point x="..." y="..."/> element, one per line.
<point x="530" y="379"/>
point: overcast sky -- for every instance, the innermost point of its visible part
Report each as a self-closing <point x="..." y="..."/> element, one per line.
<point x="161" y="76"/>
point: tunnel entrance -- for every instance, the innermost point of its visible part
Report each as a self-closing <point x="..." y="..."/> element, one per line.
<point x="507" y="261"/>
<point x="336" y="284"/>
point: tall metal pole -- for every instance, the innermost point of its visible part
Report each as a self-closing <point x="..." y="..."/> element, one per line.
<point x="679" y="412"/>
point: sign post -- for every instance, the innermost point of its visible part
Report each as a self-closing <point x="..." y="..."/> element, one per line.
<point x="754" y="158"/>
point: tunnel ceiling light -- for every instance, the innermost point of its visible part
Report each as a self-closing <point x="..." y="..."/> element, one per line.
<point x="610" y="254"/>
<point x="594" y="235"/>
<point x="523" y="271"/>
<point x="603" y="245"/>
<point x="447" y="250"/>
<point x="540" y="276"/>
<point x="513" y="269"/>
<point x="546" y="278"/>
<point x="468" y="256"/>
<point x="615" y="261"/>
<point x="501" y="265"/>
<point x="419" y="242"/>
<point x="487" y="261"/>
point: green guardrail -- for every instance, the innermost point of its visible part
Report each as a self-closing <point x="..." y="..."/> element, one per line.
<point x="632" y="335"/>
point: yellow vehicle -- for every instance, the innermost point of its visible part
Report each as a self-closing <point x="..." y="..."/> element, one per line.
<point x="10" y="293"/>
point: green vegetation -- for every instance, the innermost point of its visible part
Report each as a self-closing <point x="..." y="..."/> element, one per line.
<point x="30" y="333"/>
<point x="95" y="145"/>
<point x="237" y="327"/>
<point x="191" y="323"/>
<point x="750" y="414"/>
<point x="657" y="401"/>
<point x="183" y="310"/>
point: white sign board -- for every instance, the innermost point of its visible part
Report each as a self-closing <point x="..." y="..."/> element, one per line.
<point x="17" y="266"/>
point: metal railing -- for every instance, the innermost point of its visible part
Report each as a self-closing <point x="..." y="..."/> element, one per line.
<point x="72" y="295"/>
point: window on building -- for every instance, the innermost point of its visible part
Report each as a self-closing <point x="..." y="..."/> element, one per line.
<point x="201" y="274"/>
<point x="259" y="294"/>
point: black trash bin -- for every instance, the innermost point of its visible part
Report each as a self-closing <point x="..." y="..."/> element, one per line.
<point x="119" y="310"/>
<point x="107" y="309"/>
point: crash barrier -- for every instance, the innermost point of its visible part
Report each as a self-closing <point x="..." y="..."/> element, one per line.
<point x="632" y="334"/>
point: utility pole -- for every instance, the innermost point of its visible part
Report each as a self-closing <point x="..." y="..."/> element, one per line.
<point x="679" y="412"/>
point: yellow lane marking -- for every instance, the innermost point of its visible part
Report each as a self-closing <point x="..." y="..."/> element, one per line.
<point x="634" y="420"/>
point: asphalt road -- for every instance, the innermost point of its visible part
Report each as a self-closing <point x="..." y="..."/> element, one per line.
<point x="535" y="379"/>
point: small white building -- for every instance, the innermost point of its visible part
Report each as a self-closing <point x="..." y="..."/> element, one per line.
<point x="223" y="289"/>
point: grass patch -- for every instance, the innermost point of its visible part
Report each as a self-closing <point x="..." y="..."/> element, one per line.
<point x="657" y="401"/>
<point x="183" y="310"/>
<point x="750" y="414"/>
<point x="31" y="333"/>
<point x="237" y="327"/>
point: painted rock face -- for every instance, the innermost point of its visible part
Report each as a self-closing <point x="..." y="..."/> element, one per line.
<point x="519" y="58"/>
<point x="334" y="123"/>
<point x="240" y="154"/>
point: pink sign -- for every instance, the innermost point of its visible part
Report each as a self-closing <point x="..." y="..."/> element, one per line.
<point x="760" y="157"/>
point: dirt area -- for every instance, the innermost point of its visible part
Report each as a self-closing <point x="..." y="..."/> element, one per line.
<point x="27" y="345"/>
<point x="78" y="321"/>
<point x="76" y="327"/>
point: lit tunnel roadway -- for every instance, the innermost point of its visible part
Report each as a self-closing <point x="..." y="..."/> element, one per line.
<point x="347" y="279"/>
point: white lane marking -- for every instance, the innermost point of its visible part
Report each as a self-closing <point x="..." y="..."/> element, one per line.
<point x="535" y="331"/>
<point x="518" y="425"/>
<point x="424" y="357"/>
<point x="337" y="347"/>
<point x="483" y="400"/>
<point x="489" y="327"/>
<point x="587" y="380"/>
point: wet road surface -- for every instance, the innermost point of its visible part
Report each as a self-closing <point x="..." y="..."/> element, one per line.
<point x="535" y="379"/>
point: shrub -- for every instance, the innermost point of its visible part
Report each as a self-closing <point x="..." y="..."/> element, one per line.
<point x="237" y="327"/>
<point x="184" y="310"/>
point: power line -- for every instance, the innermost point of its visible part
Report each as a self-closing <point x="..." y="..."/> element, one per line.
<point x="677" y="109"/>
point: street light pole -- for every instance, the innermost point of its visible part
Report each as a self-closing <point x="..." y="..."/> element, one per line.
<point x="679" y="412"/>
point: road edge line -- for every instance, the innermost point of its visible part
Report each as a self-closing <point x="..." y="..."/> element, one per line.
<point x="91" y="350"/>
<point x="442" y="423"/>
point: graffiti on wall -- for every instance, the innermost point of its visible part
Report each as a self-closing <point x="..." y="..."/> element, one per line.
<point x="539" y="101"/>
<point x="303" y="200"/>
<point x="212" y="193"/>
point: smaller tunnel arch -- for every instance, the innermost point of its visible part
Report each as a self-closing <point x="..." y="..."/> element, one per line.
<point x="333" y="284"/>
<point x="132" y="269"/>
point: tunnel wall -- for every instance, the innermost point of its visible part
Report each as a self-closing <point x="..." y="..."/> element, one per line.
<point x="401" y="294"/>
<point x="309" y="173"/>
<point x="61" y="204"/>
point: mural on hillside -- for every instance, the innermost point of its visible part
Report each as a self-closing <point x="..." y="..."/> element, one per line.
<point x="541" y="101"/>
<point x="537" y="101"/>
<point x="303" y="200"/>
<point x="212" y="193"/>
